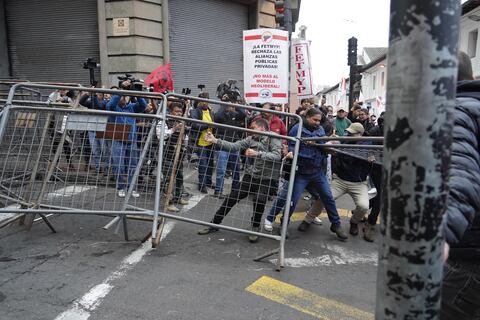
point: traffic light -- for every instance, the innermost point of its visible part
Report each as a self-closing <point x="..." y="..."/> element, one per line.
<point x="352" y="51"/>
<point x="356" y="78"/>
<point x="280" y="14"/>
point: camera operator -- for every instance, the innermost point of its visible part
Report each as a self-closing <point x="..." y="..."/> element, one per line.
<point x="125" y="152"/>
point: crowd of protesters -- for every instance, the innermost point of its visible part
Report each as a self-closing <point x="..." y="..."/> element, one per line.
<point x="253" y="162"/>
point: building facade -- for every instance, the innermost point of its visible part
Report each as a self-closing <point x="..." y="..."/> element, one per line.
<point x="48" y="40"/>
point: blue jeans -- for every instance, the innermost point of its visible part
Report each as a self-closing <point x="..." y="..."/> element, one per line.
<point x="205" y="166"/>
<point x="97" y="146"/>
<point x="125" y="159"/>
<point x="224" y="159"/>
<point x="281" y="200"/>
<point x="319" y="182"/>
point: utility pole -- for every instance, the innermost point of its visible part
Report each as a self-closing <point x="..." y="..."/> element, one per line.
<point x="352" y="62"/>
<point x="421" y="86"/>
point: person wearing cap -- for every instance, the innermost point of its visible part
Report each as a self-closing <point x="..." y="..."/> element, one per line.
<point x="204" y="147"/>
<point x="349" y="177"/>
<point x="341" y="122"/>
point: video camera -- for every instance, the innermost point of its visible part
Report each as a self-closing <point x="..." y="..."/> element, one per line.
<point x="230" y="89"/>
<point x="135" y="84"/>
<point x="91" y="65"/>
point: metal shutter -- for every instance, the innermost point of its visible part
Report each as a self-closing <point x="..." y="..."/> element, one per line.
<point x="206" y="42"/>
<point x="48" y="40"/>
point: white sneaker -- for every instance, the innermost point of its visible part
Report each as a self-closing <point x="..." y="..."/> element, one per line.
<point x="135" y="194"/>
<point x="267" y="225"/>
<point x="121" y="193"/>
<point x="318" y="221"/>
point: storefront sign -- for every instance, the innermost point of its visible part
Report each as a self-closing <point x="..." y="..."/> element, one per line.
<point x="265" y="65"/>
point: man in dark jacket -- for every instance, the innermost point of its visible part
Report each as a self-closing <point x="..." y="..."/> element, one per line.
<point x="310" y="170"/>
<point x="350" y="177"/>
<point x="234" y="117"/>
<point x="376" y="177"/>
<point x="461" y="283"/>
<point x="364" y="118"/>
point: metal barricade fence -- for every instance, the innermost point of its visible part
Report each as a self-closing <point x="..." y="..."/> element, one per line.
<point x="48" y="165"/>
<point x="45" y="166"/>
<point x="236" y="201"/>
<point x="348" y="146"/>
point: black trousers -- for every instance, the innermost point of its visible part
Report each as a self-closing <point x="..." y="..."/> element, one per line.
<point x="259" y="188"/>
<point x="376" y="175"/>
<point x="461" y="290"/>
<point x="167" y="168"/>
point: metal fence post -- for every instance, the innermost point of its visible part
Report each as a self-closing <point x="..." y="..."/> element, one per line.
<point x="421" y="84"/>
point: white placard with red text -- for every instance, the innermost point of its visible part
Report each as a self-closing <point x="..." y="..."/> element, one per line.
<point x="302" y="68"/>
<point x="265" y="65"/>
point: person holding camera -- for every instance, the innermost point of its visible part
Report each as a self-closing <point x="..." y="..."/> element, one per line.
<point x="125" y="152"/>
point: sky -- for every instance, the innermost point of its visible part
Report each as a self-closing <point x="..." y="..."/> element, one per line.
<point x="329" y="26"/>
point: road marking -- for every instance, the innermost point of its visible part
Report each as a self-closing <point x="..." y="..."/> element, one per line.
<point x="305" y="301"/>
<point x="193" y="201"/>
<point x="7" y="215"/>
<point x="69" y="191"/>
<point x="82" y="308"/>
<point x="339" y="255"/>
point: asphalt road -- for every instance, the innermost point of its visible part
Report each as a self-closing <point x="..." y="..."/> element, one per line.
<point x="84" y="272"/>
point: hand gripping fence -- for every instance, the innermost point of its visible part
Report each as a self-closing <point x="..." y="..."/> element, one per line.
<point x="59" y="159"/>
<point x="344" y="145"/>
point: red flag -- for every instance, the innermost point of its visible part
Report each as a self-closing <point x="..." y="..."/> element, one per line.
<point x="161" y="78"/>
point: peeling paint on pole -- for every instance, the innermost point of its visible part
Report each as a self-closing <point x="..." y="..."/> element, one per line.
<point x="422" y="69"/>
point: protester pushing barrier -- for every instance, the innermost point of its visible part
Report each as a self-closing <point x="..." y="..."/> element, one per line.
<point x="140" y="166"/>
<point x="126" y="156"/>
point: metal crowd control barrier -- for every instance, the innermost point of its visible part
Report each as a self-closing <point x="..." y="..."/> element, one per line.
<point x="47" y="165"/>
<point x="344" y="145"/>
<point x="209" y="208"/>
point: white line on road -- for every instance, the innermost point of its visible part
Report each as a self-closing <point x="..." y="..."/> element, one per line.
<point x="69" y="191"/>
<point x="7" y="215"/>
<point x="339" y="255"/>
<point x="82" y="308"/>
